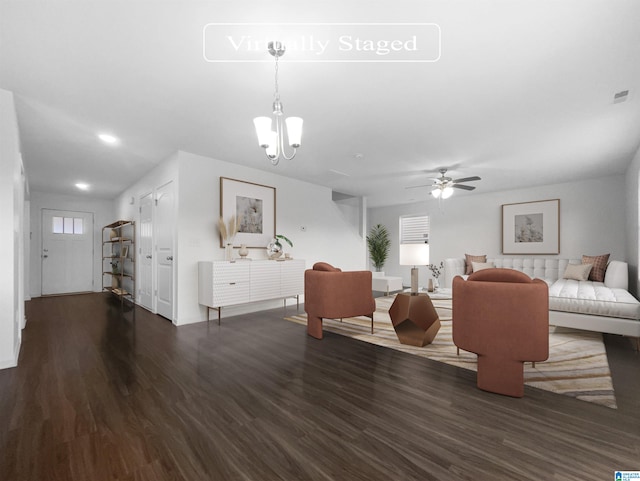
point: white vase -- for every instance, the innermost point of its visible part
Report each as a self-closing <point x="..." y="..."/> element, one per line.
<point x="244" y="252"/>
<point x="228" y="252"/>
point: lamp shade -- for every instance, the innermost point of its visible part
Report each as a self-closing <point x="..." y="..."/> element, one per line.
<point x="263" y="130"/>
<point x="414" y="254"/>
<point x="436" y="192"/>
<point x="294" y="131"/>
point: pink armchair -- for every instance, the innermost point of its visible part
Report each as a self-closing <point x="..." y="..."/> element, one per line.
<point x="503" y="316"/>
<point x="333" y="294"/>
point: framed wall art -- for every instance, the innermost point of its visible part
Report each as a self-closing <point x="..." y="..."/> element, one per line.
<point x="254" y="205"/>
<point x="531" y="227"/>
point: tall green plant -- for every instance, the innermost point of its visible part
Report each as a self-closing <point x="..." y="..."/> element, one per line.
<point x="379" y="244"/>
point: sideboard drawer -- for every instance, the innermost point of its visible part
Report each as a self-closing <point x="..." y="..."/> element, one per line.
<point x="230" y="293"/>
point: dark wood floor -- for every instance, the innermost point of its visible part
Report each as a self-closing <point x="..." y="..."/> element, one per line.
<point x="101" y="396"/>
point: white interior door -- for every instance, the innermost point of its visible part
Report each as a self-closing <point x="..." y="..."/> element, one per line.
<point x="145" y="290"/>
<point x="67" y="251"/>
<point x="164" y="222"/>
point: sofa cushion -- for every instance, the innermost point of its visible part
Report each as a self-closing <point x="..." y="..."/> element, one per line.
<point x="599" y="266"/>
<point x="469" y="259"/>
<point x="588" y="297"/>
<point x="577" y="272"/>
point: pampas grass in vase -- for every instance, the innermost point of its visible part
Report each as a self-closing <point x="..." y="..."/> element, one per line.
<point x="228" y="232"/>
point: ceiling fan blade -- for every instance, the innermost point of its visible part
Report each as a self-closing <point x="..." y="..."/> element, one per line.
<point x="464" y="187"/>
<point x="467" y="179"/>
<point x="418" y="186"/>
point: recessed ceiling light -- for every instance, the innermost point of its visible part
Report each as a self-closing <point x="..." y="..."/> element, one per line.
<point x="82" y="186"/>
<point x="108" y="139"/>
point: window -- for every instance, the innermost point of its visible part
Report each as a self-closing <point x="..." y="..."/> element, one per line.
<point x="68" y="225"/>
<point x="414" y="229"/>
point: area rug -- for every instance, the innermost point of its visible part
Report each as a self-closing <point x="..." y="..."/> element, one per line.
<point x="577" y="364"/>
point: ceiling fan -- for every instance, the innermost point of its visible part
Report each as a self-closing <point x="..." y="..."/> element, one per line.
<point x="443" y="186"/>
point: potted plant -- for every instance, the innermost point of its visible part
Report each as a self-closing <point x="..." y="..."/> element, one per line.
<point x="379" y="244"/>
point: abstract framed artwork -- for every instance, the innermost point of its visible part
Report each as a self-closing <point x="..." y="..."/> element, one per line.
<point x="531" y="227"/>
<point x="254" y="205"/>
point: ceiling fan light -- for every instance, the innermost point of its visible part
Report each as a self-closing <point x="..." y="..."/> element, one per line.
<point x="263" y="130"/>
<point x="436" y="193"/>
<point x="446" y="192"/>
<point x="294" y="131"/>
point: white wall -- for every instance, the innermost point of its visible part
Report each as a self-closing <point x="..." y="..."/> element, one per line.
<point x="633" y="223"/>
<point x="103" y="214"/>
<point x="592" y="221"/>
<point x="330" y="235"/>
<point x="12" y="193"/>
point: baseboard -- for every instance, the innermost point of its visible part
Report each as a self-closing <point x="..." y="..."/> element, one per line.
<point x="8" y="363"/>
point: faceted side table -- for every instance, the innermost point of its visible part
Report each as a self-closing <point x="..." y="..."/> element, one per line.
<point x="414" y="318"/>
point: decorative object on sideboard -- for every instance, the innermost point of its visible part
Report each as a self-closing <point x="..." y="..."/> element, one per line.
<point x="273" y="142"/>
<point x="414" y="255"/>
<point x="379" y="243"/>
<point x="228" y="233"/>
<point x="254" y="206"/>
<point x="243" y="252"/>
<point x="275" y="248"/>
<point x="436" y="272"/>
<point x="531" y="227"/>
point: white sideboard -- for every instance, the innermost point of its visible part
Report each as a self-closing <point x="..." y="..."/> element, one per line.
<point x="226" y="283"/>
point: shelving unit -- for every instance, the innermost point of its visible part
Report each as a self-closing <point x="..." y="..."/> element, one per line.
<point x="119" y="259"/>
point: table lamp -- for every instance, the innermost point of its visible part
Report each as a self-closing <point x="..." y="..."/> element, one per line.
<point x="414" y="255"/>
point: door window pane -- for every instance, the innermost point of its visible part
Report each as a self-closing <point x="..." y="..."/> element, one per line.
<point x="68" y="225"/>
<point x="58" y="225"/>
<point x="77" y="225"/>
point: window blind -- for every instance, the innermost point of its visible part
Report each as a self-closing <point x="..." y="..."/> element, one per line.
<point x="414" y="229"/>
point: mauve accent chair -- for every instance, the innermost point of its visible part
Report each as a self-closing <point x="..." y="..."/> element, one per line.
<point x="333" y="294"/>
<point x="502" y="315"/>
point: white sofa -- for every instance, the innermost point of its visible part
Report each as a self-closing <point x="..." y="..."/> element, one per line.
<point x="594" y="306"/>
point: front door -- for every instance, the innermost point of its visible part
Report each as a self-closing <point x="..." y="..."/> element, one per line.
<point x="67" y="251"/>
<point x="164" y="250"/>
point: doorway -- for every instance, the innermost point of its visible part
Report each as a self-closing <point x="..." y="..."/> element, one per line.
<point x="67" y="252"/>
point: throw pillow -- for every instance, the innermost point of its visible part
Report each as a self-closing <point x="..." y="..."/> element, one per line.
<point x="469" y="259"/>
<point x="478" y="266"/>
<point x="578" y="272"/>
<point x="599" y="266"/>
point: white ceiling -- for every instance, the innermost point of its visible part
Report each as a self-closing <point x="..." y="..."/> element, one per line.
<point x="522" y="94"/>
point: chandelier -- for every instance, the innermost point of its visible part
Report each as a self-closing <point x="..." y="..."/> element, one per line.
<point x="273" y="141"/>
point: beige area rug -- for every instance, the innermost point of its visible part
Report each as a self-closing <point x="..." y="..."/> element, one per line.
<point x="577" y="364"/>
